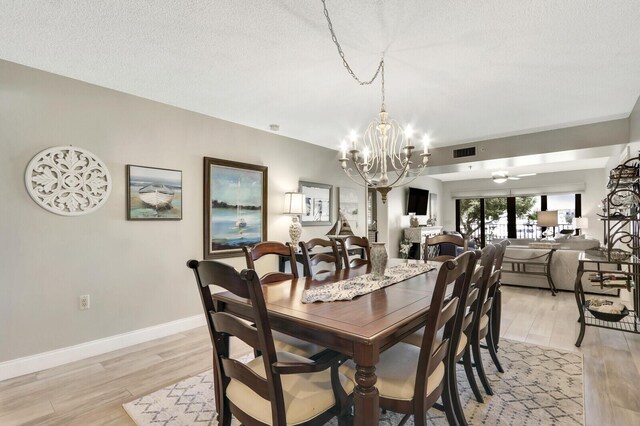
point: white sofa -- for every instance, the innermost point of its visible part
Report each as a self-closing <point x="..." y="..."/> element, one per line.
<point x="564" y="265"/>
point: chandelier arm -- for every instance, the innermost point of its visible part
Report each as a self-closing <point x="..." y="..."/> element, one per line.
<point x="366" y="182"/>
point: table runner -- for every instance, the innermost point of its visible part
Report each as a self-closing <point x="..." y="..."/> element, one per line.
<point x="363" y="284"/>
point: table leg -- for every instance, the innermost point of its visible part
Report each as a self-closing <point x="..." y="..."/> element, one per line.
<point x="366" y="397"/>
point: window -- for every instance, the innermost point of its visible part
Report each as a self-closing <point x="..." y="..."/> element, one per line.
<point x="494" y="219"/>
<point x="526" y="215"/>
<point x="565" y="204"/>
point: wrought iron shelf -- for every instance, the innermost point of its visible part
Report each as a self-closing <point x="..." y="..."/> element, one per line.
<point x="621" y="230"/>
<point x="629" y="324"/>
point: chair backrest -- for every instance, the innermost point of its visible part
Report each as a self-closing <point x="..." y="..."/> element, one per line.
<point x="328" y="256"/>
<point x="435" y="242"/>
<point x="441" y="315"/>
<point x="245" y="284"/>
<point x="501" y="248"/>
<point x="487" y="260"/>
<point x="272" y="248"/>
<point x="467" y="296"/>
<point x="468" y="302"/>
<point x="350" y="243"/>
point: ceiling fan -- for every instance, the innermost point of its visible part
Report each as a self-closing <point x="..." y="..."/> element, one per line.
<point x="503" y="176"/>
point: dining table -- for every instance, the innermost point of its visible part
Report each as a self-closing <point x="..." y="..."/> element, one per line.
<point x="361" y="328"/>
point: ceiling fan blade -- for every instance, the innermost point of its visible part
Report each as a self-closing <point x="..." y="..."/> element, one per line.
<point x="513" y="178"/>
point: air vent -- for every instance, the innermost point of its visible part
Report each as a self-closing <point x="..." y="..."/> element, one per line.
<point x="464" y="152"/>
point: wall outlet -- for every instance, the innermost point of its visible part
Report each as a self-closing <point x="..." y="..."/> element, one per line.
<point x="85" y="302"/>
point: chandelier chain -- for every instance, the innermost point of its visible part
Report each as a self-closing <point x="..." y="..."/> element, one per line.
<point x="379" y="70"/>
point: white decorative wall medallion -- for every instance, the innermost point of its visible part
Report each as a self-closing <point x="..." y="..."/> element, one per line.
<point x="68" y="181"/>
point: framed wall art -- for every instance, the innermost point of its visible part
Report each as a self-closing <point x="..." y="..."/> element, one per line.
<point x="348" y="205"/>
<point x="153" y="193"/>
<point x="235" y="207"/>
<point x="318" y="203"/>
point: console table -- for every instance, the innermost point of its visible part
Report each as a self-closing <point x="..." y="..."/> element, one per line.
<point x="533" y="265"/>
<point x="416" y="236"/>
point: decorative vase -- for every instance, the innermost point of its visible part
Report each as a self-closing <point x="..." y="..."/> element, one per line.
<point x="378" y="260"/>
<point x="413" y="221"/>
<point x="295" y="231"/>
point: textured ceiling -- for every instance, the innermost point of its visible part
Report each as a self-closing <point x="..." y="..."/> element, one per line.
<point x="459" y="70"/>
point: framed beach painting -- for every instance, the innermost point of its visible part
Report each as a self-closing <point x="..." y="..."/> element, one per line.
<point x="318" y="203"/>
<point x="348" y="205"/>
<point x="153" y="193"/>
<point x="235" y="207"/>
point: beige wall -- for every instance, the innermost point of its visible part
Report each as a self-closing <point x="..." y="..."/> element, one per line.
<point x="134" y="271"/>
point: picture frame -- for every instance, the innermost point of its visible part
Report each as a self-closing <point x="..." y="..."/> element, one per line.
<point x="348" y="205"/>
<point x="235" y="206"/>
<point x="318" y="199"/>
<point x="153" y="193"/>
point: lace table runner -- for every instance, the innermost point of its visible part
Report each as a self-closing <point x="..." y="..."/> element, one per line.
<point x="363" y="284"/>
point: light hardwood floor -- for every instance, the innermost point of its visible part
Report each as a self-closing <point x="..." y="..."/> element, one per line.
<point x="92" y="391"/>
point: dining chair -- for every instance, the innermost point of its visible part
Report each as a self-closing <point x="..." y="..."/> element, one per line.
<point x="501" y="248"/>
<point x="410" y="379"/>
<point x="325" y="258"/>
<point x="433" y="244"/>
<point x="284" y="342"/>
<point x="275" y="388"/>
<point x="266" y="248"/>
<point x="482" y="319"/>
<point x="353" y="242"/>
<point x="467" y="293"/>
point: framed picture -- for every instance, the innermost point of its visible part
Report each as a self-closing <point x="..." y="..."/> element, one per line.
<point x="348" y="205"/>
<point x="153" y="193"/>
<point x="318" y="203"/>
<point x="235" y="207"/>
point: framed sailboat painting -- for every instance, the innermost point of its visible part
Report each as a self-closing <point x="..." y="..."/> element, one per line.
<point x="153" y="193"/>
<point x="235" y="207"/>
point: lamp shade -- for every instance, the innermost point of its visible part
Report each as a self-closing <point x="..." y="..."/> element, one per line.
<point x="548" y="218"/>
<point x="581" y="223"/>
<point x="293" y="203"/>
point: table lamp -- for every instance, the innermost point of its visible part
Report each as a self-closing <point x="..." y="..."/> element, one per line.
<point x="580" y="223"/>
<point x="548" y="219"/>
<point x="294" y="205"/>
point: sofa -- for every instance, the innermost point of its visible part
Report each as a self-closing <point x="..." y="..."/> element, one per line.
<point x="564" y="265"/>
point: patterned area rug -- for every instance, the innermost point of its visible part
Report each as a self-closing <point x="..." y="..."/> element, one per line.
<point x="540" y="386"/>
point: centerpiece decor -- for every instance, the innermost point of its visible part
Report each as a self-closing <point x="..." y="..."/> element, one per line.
<point x="379" y="259"/>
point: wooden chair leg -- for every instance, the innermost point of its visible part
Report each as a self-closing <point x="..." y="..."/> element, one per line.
<point x="477" y="361"/>
<point x="491" y="347"/>
<point x="496" y="313"/>
<point x="448" y="394"/>
<point x="468" y="369"/>
<point x="456" y="405"/>
<point x="226" y="415"/>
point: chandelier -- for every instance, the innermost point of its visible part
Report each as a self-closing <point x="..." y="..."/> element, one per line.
<point x="386" y="158"/>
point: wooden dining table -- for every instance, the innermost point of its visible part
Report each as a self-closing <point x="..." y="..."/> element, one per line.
<point x="361" y="328"/>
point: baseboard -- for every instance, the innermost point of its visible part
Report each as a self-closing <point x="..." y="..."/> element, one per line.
<point x="42" y="361"/>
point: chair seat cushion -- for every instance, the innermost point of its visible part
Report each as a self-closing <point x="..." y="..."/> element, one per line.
<point x="415" y="339"/>
<point x="396" y="372"/>
<point x="484" y="321"/>
<point x="305" y="395"/>
<point x="285" y="343"/>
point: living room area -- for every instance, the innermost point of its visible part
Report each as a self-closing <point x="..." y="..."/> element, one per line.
<point x="187" y="131"/>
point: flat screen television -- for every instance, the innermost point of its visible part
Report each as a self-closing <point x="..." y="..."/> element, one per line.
<point x="417" y="201"/>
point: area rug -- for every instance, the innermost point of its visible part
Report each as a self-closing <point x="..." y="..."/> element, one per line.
<point x="540" y="386"/>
